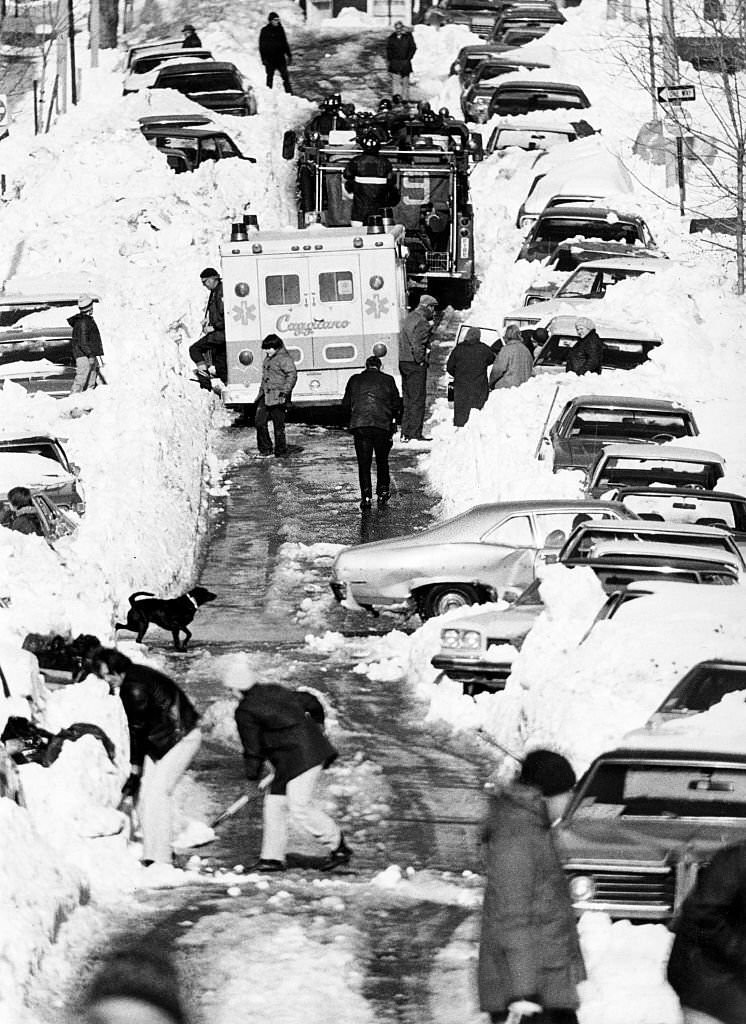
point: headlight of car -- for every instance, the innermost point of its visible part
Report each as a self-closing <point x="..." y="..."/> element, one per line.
<point x="449" y="637"/>
<point x="582" y="888"/>
<point x="526" y="221"/>
<point x="480" y="101"/>
<point x="471" y="640"/>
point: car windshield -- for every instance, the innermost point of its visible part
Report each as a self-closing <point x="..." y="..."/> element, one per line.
<point x="597" y="422"/>
<point x="640" y="790"/>
<point x="581" y="543"/>
<point x="527" y="138"/>
<point x="704" y="686"/>
<point x="210" y="81"/>
<point x="590" y="284"/>
<point x="53" y="313"/>
<point x="613" y="576"/>
<point x="690" y="508"/>
<point x="523" y="101"/>
<point x="145" y="64"/>
<point x="624" y="470"/>
<point x="552" y="230"/>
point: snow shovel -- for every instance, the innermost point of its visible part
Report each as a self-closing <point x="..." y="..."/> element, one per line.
<point x="243" y="800"/>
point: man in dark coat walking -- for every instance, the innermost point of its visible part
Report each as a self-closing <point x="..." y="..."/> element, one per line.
<point x="87" y="348"/>
<point x="400" y="48"/>
<point x="468" y="364"/>
<point x="370" y="179"/>
<point x="373" y="404"/>
<point x="208" y="352"/>
<point x="164" y="739"/>
<point x="707" y="968"/>
<point x="285" y="727"/>
<point x="414" y="356"/>
<point x="191" y="39"/>
<point x="587" y="354"/>
<point x="274" y="51"/>
<point x="529" y="954"/>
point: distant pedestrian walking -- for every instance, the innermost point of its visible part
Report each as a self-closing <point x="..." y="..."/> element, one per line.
<point x="191" y="39"/>
<point x="414" y="356"/>
<point x="468" y="364"/>
<point x="529" y="954"/>
<point x="373" y="405"/>
<point x="164" y="739"/>
<point x="275" y="391"/>
<point x="208" y="352"/>
<point x="514" y="364"/>
<point x="587" y="354"/>
<point x="87" y="348"/>
<point x="274" y="51"/>
<point x="400" y="48"/>
<point x="285" y="728"/>
<point x="707" y="967"/>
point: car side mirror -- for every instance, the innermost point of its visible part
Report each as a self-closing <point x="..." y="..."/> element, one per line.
<point x="476" y="148"/>
<point x="75" y="469"/>
<point x="510" y="594"/>
<point x="550" y="555"/>
<point x="289" y="140"/>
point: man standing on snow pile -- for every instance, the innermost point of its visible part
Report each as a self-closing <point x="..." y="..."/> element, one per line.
<point x="587" y="354"/>
<point x="274" y="51"/>
<point x="468" y="364"/>
<point x="414" y="356"/>
<point x="373" y="404"/>
<point x="210" y="348"/>
<point x="514" y="364"/>
<point x="529" y="955"/>
<point x="164" y="739"/>
<point x="400" y="48"/>
<point x="87" y="348"/>
<point x="275" y="392"/>
<point x="370" y="179"/>
<point x="285" y="727"/>
<point x="707" y="967"/>
<point x="191" y="39"/>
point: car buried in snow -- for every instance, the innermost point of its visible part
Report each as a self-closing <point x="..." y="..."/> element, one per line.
<point x="703" y="686"/>
<point x="217" y="85"/>
<point x="528" y="96"/>
<point x="475" y="97"/>
<point x="559" y="223"/>
<point x="143" y="70"/>
<point x="188" y="146"/>
<point x="720" y="509"/>
<point x="588" y="422"/>
<point x="569" y="255"/>
<point x="660" y="465"/>
<point x="479" y="16"/>
<point x="56" y="476"/>
<point x="625" y="345"/>
<point x="534" y="133"/>
<point x="646" y="816"/>
<point x="469" y="559"/>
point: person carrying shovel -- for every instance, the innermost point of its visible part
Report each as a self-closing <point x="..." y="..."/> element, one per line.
<point x="285" y="727"/>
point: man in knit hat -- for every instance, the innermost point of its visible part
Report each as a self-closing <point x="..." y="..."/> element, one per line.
<point x="208" y="352"/>
<point x="285" y="728"/>
<point x="274" y="51"/>
<point x="86" y="347"/>
<point x="587" y="354"/>
<point x="414" y="356"/>
<point x="529" y="955"/>
<point x="191" y="39"/>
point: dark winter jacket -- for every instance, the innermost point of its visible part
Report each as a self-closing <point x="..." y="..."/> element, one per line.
<point x="159" y="713"/>
<point x="586" y="355"/>
<point x="372" y="399"/>
<point x="529" y="945"/>
<point x="399" y="52"/>
<point x="707" y="968"/>
<point x="26" y="520"/>
<point x="278" y="377"/>
<point x="86" y="340"/>
<point x="514" y="365"/>
<point x="273" y="46"/>
<point x="215" y="311"/>
<point x="468" y="364"/>
<point x="369" y="178"/>
<point x="284" y="727"/>
<point x="414" y="339"/>
<point x="191" y="40"/>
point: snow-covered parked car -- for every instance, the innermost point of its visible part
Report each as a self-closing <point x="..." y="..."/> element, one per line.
<point x="537" y="132"/>
<point x="646" y="816"/>
<point x="62" y="486"/>
<point x="721" y="509"/>
<point x="476" y="94"/>
<point x="588" y="422"/>
<point x="188" y="144"/>
<point x="626" y="345"/>
<point x="557" y="223"/>
<point x="568" y="255"/>
<point x="465" y="560"/>
<point x="703" y="686"/>
<point x="143" y="71"/>
<point x="217" y="85"/>
<point x="526" y="96"/>
<point x="667" y="465"/>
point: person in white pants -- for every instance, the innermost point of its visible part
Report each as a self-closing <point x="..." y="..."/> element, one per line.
<point x="285" y="727"/>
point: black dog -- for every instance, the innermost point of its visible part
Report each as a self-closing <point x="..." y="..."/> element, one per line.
<point x="174" y="614"/>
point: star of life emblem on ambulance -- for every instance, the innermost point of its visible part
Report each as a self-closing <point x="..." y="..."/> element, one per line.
<point x="376" y="306"/>
<point x="243" y="312"/>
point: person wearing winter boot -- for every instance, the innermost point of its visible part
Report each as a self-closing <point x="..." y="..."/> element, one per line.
<point x="279" y="377"/>
<point x="285" y="728"/>
<point x="529" y="955"/>
<point x="373" y="404"/>
<point x="274" y="51"/>
<point x="208" y="352"/>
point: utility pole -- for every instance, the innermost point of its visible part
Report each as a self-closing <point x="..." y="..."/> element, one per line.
<point x="670" y="77"/>
<point x="71" y="37"/>
<point x="651" y="57"/>
<point x="95" y="31"/>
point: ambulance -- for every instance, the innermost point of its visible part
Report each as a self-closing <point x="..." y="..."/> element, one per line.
<point x="334" y="296"/>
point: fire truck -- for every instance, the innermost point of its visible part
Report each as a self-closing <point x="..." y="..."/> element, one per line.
<point x="334" y="296"/>
<point x="431" y="157"/>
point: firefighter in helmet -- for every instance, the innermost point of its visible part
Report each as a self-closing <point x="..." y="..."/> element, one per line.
<point x="369" y="178"/>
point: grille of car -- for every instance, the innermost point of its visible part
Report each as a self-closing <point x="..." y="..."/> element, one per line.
<point x="647" y="889"/>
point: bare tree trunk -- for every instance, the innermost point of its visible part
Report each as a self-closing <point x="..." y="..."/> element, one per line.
<point x="109" y="12"/>
<point x="739" y="218"/>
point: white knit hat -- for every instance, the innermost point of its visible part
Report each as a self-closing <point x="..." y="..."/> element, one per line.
<point x="236" y="672"/>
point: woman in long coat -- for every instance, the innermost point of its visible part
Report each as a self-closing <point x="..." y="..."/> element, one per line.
<point x="529" y="955"/>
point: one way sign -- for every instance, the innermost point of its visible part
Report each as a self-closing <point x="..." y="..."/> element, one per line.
<point x="676" y="93"/>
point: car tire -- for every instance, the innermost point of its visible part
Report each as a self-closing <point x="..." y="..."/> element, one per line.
<point x="445" y="597"/>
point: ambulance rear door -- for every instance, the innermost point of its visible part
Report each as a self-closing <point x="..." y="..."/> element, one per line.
<point x="284" y="304"/>
<point x="336" y="310"/>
